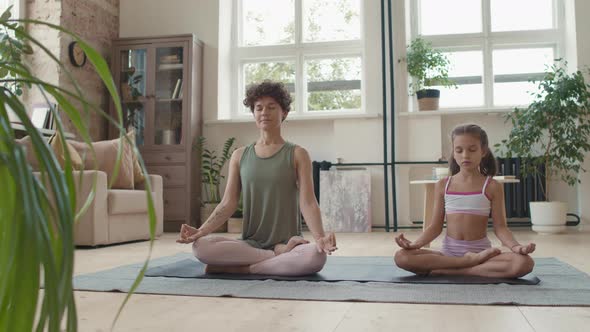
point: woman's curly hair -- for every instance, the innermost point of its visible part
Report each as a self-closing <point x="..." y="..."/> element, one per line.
<point x="268" y="88"/>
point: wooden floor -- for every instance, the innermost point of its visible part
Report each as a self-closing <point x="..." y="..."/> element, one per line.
<point x="183" y="313"/>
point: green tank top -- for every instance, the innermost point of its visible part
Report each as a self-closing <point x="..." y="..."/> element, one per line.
<point x="270" y="197"/>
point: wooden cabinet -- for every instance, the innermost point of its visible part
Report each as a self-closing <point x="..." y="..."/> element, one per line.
<point x="160" y="82"/>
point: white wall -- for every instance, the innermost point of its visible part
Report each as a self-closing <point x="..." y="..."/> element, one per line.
<point x="358" y="140"/>
<point x="582" y="11"/>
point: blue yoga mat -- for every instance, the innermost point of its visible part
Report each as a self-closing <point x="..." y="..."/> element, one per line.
<point x="361" y="269"/>
<point x="560" y="284"/>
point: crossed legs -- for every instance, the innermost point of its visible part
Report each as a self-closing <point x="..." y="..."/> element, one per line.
<point x="487" y="263"/>
<point x="224" y="255"/>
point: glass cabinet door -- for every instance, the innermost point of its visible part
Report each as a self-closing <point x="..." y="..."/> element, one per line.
<point x="133" y="91"/>
<point x="169" y="86"/>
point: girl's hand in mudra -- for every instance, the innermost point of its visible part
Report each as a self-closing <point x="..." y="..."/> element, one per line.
<point x="327" y="243"/>
<point x="523" y="250"/>
<point x="404" y="243"/>
<point x="189" y="234"/>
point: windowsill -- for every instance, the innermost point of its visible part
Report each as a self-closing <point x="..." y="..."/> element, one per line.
<point x="303" y="118"/>
<point x="458" y="111"/>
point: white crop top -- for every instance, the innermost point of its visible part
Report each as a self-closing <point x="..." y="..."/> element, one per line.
<point x="476" y="203"/>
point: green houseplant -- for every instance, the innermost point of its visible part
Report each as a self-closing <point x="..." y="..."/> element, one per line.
<point x="427" y="67"/>
<point x="130" y="93"/>
<point x="211" y="167"/>
<point x="552" y="132"/>
<point x="38" y="210"/>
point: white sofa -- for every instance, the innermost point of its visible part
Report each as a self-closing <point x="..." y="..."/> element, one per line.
<point x="115" y="215"/>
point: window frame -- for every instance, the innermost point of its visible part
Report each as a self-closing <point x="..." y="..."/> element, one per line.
<point x="18" y="10"/>
<point x="487" y="41"/>
<point x="299" y="52"/>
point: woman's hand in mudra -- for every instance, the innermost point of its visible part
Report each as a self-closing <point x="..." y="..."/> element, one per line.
<point x="189" y="234"/>
<point x="327" y="243"/>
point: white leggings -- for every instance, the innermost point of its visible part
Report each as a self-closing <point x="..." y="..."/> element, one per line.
<point x="216" y="250"/>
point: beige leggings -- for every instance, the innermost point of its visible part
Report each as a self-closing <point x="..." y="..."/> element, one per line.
<point x="216" y="250"/>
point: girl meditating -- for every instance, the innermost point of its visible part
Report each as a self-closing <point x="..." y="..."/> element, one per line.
<point x="274" y="177"/>
<point x="466" y="198"/>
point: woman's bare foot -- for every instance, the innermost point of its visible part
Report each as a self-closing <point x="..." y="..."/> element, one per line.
<point x="215" y="269"/>
<point x="482" y="256"/>
<point x="293" y="242"/>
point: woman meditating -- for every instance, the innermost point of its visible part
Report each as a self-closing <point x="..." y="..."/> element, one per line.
<point x="274" y="177"/>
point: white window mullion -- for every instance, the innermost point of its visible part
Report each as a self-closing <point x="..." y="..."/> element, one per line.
<point x="236" y="67"/>
<point x="300" y="91"/>
<point x="488" y="70"/>
<point x="559" y="24"/>
<point x="301" y="84"/>
<point x="416" y="23"/>
<point x="239" y="68"/>
<point x="298" y="22"/>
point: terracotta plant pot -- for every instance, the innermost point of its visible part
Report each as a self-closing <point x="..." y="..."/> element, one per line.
<point x="428" y="99"/>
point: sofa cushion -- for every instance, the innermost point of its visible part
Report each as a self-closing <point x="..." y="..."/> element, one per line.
<point x="60" y="153"/>
<point x="138" y="176"/>
<point x="127" y="201"/>
<point x="27" y="143"/>
<point x="106" y="155"/>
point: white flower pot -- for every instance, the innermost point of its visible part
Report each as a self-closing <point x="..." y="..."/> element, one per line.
<point x="548" y="217"/>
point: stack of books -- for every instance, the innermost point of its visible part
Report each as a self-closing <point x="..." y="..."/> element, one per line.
<point x="170" y="62"/>
<point x="173" y="58"/>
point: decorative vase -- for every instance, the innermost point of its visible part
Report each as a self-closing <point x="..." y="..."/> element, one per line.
<point x="168" y="137"/>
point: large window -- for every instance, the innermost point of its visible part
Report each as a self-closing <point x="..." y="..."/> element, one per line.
<point x="495" y="46"/>
<point x="16" y="7"/>
<point x="314" y="46"/>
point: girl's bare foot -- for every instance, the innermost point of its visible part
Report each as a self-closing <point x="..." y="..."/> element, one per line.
<point x="293" y="242"/>
<point x="215" y="269"/>
<point x="482" y="256"/>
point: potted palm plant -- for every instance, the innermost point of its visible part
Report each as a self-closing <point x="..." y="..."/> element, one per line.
<point x="211" y="167"/>
<point x="552" y="132"/>
<point x="37" y="244"/>
<point x="428" y="67"/>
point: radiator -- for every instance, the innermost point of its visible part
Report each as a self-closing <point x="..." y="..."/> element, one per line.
<point x="518" y="195"/>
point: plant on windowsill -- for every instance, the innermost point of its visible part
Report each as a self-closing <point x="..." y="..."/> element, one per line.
<point x="552" y="133"/>
<point x="211" y="167"/>
<point x="38" y="210"/>
<point x="428" y="67"/>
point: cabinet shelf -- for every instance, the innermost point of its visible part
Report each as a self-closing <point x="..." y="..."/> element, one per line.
<point x="167" y="100"/>
<point x="167" y="67"/>
<point x="138" y="101"/>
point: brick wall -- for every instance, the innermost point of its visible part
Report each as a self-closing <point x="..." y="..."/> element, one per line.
<point x="97" y="22"/>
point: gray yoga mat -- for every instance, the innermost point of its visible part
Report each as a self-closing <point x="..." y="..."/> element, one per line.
<point x="561" y="285"/>
<point x="362" y="269"/>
